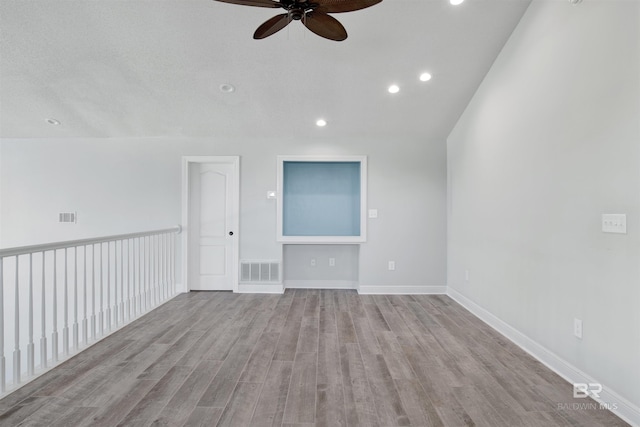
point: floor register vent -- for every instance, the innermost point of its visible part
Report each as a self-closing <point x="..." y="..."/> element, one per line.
<point x="259" y="271"/>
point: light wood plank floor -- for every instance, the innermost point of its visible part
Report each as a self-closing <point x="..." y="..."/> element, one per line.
<point x="305" y="358"/>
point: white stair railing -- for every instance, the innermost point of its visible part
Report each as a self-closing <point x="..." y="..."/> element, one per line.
<point x="109" y="281"/>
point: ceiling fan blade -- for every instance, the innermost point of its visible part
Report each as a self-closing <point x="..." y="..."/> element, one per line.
<point x="337" y="6"/>
<point x="257" y="3"/>
<point x="272" y="26"/>
<point x="324" y="25"/>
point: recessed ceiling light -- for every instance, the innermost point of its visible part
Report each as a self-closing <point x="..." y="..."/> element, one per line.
<point x="227" y="88"/>
<point x="456" y="2"/>
<point x="53" y="122"/>
<point x="394" y="89"/>
<point x="425" y="77"/>
<point x="321" y="123"/>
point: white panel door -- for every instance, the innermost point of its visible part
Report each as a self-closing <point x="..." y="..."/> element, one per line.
<point x="213" y="226"/>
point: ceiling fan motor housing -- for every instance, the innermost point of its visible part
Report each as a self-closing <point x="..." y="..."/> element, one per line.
<point x="296" y="14"/>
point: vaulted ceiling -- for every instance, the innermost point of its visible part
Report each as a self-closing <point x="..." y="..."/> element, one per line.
<point x="114" y="68"/>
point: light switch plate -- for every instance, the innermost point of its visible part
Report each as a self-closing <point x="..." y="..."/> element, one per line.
<point x="373" y="213"/>
<point x="614" y="223"/>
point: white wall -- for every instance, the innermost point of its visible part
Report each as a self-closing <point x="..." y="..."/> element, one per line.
<point x="126" y="185"/>
<point x="551" y="141"/>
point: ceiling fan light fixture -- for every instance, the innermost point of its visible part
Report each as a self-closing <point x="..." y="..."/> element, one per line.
<point x="456" y="2"/>
<point x="321" y="123"/>
<point x="394" y="89"/>
<point x="425" y="77"/>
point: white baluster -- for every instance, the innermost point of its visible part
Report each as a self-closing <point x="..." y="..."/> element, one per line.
<point x="163" y="293"/>
<point x="160" y="281"/>
<point x="54" y="309"/>
<point x="129" y="272"/>
<point x="173" y="264"/>
<point x="150" y="276"/>
<point x="168" y="265"/>
<point x="75" y="298"/>
<point x="3" y="377"/>
<point x="108" y="313"/>
<point x="65" y="327"/>
<point x="154" y="240"/>
<point x="114" y="319"/>
<point x="93" y="292"/>
<point x="101" y="314"/>
<point x="16" y="350"/>
<point x="164" y="266"/>
<point x="85" y="332"/>
<point x="141" y="268"/>
<point x="30" y="347"/>
<point x="151" y="273"/>
<point x="115" y="285"/>
<point x="147" y="262"/>
<point x="136" y="278"/>
<point x="43" y="320"/>
<point x="140" y="282"/>
<point x="121" y="281"/>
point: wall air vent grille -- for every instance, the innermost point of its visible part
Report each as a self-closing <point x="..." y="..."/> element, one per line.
<point x="67" y="217"/>
<point x="259" y="271"/>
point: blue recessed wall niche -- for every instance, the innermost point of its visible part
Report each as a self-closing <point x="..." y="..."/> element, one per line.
<point x="321" y="200"/>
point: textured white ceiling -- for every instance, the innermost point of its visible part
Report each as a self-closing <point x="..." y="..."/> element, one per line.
<point x="113" y="68"/>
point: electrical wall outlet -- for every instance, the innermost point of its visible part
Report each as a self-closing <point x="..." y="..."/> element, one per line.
<point x="577" y="328"/>
<point x="313" y="262"/>
<point x="392" y="265"/>
<point x="332" y="262"/>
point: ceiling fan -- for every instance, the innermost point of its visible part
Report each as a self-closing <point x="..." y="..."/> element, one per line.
<point x="312" y="13"/>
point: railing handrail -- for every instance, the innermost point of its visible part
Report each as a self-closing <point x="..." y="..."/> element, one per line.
<point x="23" y="250"/>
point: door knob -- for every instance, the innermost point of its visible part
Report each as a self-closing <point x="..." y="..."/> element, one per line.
<point x="231" y="233"/>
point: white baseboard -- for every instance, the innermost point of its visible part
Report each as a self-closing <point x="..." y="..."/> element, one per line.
<point x="402" y="290"/>
<point x="320" y="284"/>
<point x="260" y="288"/>
<point x="618" y="404"/>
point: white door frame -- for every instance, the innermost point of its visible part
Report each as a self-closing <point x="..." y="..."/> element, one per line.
<point x="186" y="162"/>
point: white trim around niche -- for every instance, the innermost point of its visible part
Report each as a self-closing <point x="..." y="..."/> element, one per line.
<point x="323" y="239"/>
